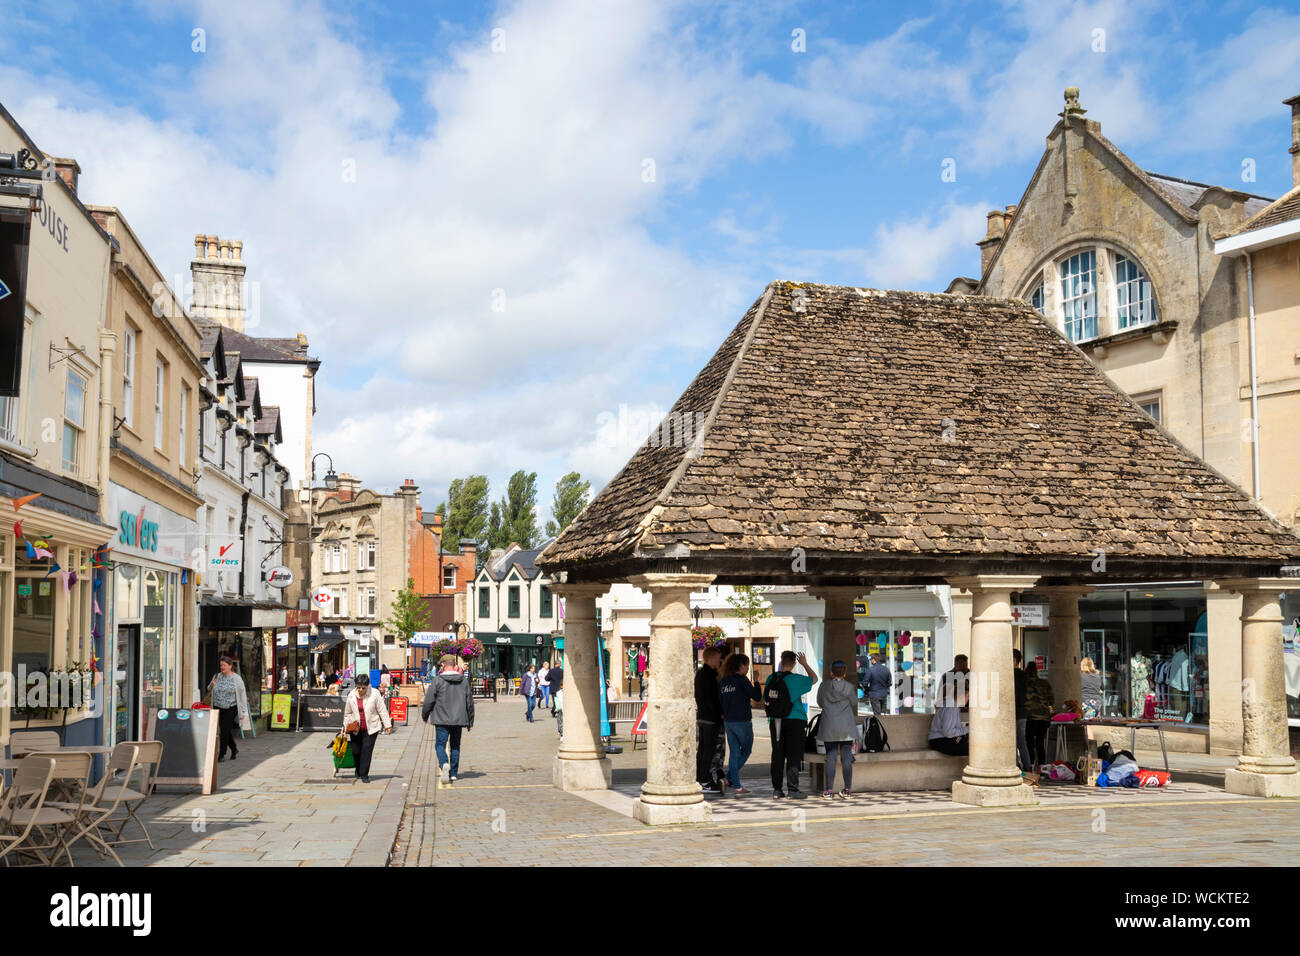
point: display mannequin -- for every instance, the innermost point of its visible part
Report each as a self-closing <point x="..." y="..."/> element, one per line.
<point x="1139" y="676"/>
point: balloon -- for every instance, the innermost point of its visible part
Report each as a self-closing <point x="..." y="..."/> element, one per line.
<point x="861" y="639"/>
<point x="905" y="640"/>
<point x="905" y="666"/>
<point x="908" y="701"/>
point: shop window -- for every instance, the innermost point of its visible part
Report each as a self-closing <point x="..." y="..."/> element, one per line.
<point x="907" y="646"/>
<point x="484" y="602"/>
<point x="126" y="578"/>
<point x="33" y="617"/>
<point x="547" y="602"/>
<point x="74" y="420"/>
<point x="514" y="601"/>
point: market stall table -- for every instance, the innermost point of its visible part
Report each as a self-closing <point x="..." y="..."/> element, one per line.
<point x="1133" y="725"/>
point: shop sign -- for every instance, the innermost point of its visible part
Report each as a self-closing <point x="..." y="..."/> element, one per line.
<point x="137" y="531"/>
<point x="281" y="705"/>
<point x="323" y="596"/>
<point x="224" y="558"/>
<point x="1029" y="615"/>
<point x="862" y="608"/>
<point x="149" y="530"/>
<point x="279" y="577"/>
<point x="24" y="590"/>
<point x="295" y="617"/>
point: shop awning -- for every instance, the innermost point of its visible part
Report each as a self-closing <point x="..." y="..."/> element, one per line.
<point x="327" y="638"/>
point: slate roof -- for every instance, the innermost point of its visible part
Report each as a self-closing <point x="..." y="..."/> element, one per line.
<point x="257" y="349"/>
<point x="1285" y="209"/>
<point x="822" y="428"/>
<point x="524" y="560"/>
<point x="269" y="422"/>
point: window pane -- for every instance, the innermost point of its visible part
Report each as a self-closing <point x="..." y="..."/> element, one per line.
<point x="1036" y="299"/>
<point x="1079" y="295"/>
<point x="1133" y="294"/>
<point x="74" y="403"/>
<point x="34" y="623"/>
<point x="70" y="435"/>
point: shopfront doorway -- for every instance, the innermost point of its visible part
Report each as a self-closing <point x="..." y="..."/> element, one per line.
<point x="127" y="717"/>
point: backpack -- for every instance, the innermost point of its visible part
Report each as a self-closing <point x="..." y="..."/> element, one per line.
<point x="874" y="736"/>
<point x="776" y="699"/>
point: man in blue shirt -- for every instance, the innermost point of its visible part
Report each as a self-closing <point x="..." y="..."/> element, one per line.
<point x="788" y="733"/>
<point x="878" y="680"/>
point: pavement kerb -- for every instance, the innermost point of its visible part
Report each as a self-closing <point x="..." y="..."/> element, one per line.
<point x="376" y="845"/>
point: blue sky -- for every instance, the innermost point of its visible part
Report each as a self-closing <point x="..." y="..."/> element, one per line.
<point x="515" y="177"/>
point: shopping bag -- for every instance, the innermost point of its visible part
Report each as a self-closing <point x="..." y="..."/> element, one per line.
<point x="1088" y="769"/>
<point x="1152" y="778"/>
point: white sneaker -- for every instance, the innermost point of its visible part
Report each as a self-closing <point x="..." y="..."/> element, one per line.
<point x="444" y="773"/>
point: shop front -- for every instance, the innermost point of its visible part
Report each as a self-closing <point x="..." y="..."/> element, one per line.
<point x="508" y="654"/>
<point x="152" y="626"/>
<point x="905" y="627"/>
<point x="267" y="644"/>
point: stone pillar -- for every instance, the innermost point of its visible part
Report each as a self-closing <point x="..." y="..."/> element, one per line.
<point x="580" y="763"/>
<point x="1223" y="644"/>
<point x="837" y="635"/>
<point x="1265" y="767"/>
<point x="991" y="777"/>
<point x="1063" y="641"/>
<point x="670" y="793"/>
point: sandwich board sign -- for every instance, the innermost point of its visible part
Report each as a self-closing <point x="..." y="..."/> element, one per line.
<point x="639" y="728"/>
<point x="189" y="746"/>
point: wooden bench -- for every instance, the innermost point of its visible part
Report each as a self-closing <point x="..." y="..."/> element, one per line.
<point x="909" y="764"/>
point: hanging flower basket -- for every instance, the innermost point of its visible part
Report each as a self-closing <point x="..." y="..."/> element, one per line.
<point x="466" y="648"/>
<point x="710" y="636"/>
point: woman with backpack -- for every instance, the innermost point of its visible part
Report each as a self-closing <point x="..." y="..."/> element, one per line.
<point x="836" y="726"/>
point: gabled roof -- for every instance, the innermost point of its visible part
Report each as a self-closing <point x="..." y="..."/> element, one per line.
<point x="515" y="557"/>
<point x="1285" y="209"/>
<point x="906" y="436"/>
<point x="257" y="349"/>
<point x="268" y="424"/>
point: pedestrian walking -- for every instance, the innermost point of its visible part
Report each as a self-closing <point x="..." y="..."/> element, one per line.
<point x="364" y="716"/>
<point x="528" y="687"/>
<point x="708" y="723"/>
<point x="878" y="681"/>
<point x="837" y="726"/>
<point x="739" y="698"/>
<point x="783" y="695"/>
<point x="1022" y="716"/>
<point x="544" y="684"/>
<point x="230" y="701"/>
<point x="449" y="706"/>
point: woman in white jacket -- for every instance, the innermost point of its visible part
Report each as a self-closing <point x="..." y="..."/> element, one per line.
<point x="230" y="701"/>
<point x="364" y="715"/>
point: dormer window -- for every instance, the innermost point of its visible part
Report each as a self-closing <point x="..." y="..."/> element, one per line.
<point x="1092" y="292"/>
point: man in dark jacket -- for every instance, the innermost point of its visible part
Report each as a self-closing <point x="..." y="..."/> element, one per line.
<point x="878" y="680"/>
<point x="449" y="706"/>
<point x="1022" y="743"/>
<point x="556" y="678"/>
<point x="710" y="744"/>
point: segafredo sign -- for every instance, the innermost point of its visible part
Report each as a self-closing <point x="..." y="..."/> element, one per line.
<point x="280" y="577"/>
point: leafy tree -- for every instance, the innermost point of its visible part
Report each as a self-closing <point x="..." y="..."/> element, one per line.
<point x="750" y="605"/>
<point x="465" y="513"/>
<point x="408" y="615"/>
<point x="571" y="496"/>
<point x="514" y="517"/>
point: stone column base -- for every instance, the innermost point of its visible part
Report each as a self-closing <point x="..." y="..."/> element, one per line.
<point x="658" y="814"/>
<point x="1261" y="784"/>
<point x="582" y="774"/>
<point x="1019" y="795"/>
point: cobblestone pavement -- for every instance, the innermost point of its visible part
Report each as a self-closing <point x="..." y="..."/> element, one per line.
<point x="278" y="804"/>
<point x="505" y="811"/>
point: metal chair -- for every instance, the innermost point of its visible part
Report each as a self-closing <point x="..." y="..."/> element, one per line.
<point x="70" y="779"/>
<point x="147" y="760"/>
<point x="101" y="804"/>
<point x="22" y="810"/>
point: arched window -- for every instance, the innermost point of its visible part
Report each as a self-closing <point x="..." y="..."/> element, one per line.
<point x="1134" y="303"/>
<point x="1036" y="299"/>
<point x="1079" y="295"/>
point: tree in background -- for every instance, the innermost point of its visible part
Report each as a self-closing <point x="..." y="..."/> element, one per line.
<point x="514" y="517"/>
<point x="465" y="513"/>
<point x="408" y="615"/>
<point x="750" y="605"/>
<point x="571" y="496"/>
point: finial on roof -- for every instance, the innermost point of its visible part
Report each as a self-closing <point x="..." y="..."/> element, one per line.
<point x="1072" y="100"/>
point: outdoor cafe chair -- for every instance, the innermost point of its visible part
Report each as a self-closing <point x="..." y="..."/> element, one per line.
<point x="22" y="742"/>
<point x="102" y="801"/>
<point x="71" y="779"/>
<point x="129" y="800"/>
<point x="23" y="812"/>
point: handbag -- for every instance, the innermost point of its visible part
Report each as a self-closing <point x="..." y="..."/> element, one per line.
<point x="353" y="728"/>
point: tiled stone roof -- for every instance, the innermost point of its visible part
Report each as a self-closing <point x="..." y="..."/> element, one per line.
<point x="824" y="416"/>
<point x="1282" y="210"/>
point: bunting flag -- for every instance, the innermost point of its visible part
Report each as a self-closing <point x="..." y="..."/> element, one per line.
<point x="63" y="576"/>
<point x="24" y="500"/>
<point x="185" y="575"/>
<point x="72" y="578"/>
<point x="42" y="542"/>
<point x="31" y="552"/>
<point x="18" y="529"/>
<point x="97" y="583"/>
<point x="41" y="552"/>
<point x="54" y="567"/>
<point x="96" y="600"/>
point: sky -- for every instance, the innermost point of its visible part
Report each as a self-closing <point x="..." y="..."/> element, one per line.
<point x="513" y="233"/>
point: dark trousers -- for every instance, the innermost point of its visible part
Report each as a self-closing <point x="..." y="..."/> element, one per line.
<point x="363" y="745"/>
<point x="787" y="752"/>
<point x="952" y="746"/>
<point x="227" y="717"/>
<point x="709" y="751"/>
<point x="1036" y="737"/>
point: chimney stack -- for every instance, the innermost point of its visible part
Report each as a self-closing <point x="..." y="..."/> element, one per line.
<point x="69" y="171"/>
<point x="1294" y="103"/>
<point x="218" y="273"/>
<point x="409" y="489"/>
